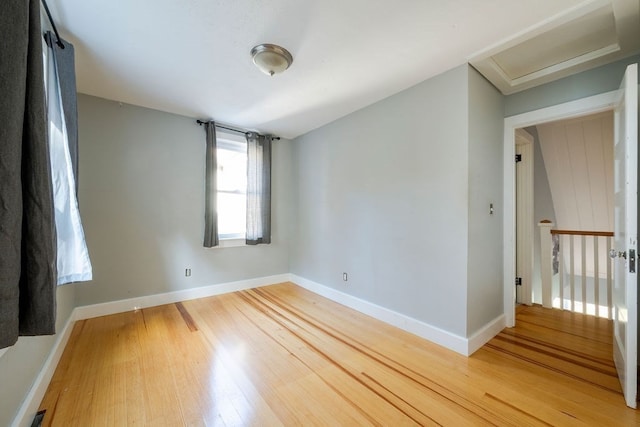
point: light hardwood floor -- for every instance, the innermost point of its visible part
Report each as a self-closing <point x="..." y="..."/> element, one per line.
<point x="280" y="355"/>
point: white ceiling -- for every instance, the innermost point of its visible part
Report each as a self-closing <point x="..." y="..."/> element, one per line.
<point x="191" y="57"/>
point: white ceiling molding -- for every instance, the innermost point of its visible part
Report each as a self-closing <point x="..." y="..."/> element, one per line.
<point x="593" y="33"/>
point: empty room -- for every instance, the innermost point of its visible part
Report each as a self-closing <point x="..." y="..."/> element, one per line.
<point x="314" y="212"/>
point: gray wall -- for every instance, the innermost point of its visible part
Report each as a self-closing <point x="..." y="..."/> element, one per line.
<point x="141" y="196"/>
<point x="486" y="124"/>
<point x="382" y="194"/>
<point x="22" y="363"/>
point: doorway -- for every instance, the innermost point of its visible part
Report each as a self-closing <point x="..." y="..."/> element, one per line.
<point x="582" y="107"/>
<point x="624" y="102"/>
<point x="564" y="177"/>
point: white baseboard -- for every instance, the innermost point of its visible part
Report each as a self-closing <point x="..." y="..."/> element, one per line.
<point x="485" y="334"/>
<point x="29" y="407"/>
<point x="434" y="334"/>
<point x="121" y="306"/>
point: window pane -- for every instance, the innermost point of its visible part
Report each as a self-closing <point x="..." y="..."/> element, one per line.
<point x="232" y="170"/>
<point x="232" y="212"/>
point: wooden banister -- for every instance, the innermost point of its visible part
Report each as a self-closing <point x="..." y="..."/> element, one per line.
<point x="583" y="233"/>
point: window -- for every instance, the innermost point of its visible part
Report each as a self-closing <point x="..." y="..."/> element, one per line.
<point x="232" y="186"/>
<point x="237" y="189"/>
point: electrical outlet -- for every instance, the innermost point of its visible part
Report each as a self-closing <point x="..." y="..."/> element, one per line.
<point x="187" y="272"/>
<point x="345" y="277"/>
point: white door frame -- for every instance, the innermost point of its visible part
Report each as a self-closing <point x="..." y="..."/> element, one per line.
<point x="580" y="107"/>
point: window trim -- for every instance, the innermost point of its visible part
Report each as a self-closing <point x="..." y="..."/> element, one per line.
<point x="231" y="242"/>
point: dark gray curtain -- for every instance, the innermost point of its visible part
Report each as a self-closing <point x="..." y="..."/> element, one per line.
<point x="258" y="189"/>
<point x="211" y="188"/>
<point x="66" y="68"/>
<point x="27" y="233"/>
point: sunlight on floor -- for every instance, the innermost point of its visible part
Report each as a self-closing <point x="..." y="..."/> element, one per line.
<point x="590" y="308"/>
<point x="231" y="405"/>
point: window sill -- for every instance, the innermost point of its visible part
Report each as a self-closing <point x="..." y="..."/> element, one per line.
<point x="231" y="243"/>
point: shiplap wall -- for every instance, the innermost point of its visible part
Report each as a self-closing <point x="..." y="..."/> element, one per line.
<point x="578" y="156"/>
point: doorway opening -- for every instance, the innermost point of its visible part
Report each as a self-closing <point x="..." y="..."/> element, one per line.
<point x="564" y="198"/>
<point x="571" y="110"/>
<point x="623" y="303"/>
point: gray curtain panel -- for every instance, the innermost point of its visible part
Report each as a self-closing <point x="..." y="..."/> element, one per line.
<point x="27" y="233"/>
<point x="210" y="188"/>
<point x="258" y="189"/>
<point x="65" y="65"/>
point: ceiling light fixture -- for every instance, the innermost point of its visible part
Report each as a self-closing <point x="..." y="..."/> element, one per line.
<point x="271" y="59"/>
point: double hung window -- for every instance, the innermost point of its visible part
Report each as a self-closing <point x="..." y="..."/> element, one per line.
<point x="231" y="186"/>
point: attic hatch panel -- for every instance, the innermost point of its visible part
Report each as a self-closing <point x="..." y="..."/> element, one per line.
<point x="589" y="33"/>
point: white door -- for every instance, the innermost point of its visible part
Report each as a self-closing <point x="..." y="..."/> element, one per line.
<point x="625" y="290"/>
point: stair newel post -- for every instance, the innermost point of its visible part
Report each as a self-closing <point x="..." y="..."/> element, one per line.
<point x="546" y="260"/>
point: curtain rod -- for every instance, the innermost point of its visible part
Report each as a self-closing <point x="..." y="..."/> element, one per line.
<point x="242" y="131"/>
<point x="53" y="24"/>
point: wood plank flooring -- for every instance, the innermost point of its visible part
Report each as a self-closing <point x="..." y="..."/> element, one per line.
<point x="280" y="355"/>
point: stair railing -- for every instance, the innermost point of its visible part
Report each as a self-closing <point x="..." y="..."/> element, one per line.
<point x="576" y="271"/>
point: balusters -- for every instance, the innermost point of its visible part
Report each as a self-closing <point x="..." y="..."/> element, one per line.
<point x="561" y="239"/>
<point x="572" y="276"/>
<point x="609" y="280"/>
<point x="590" y="270"/>
<point x="583" y="292"/>
<point x="596" y="275"/>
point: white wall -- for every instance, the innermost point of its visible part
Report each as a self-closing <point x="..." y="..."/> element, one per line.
<point x="578" y="157"/>
<point x="484" y="268"/>
<point x="382" y="194"/>
<point x="142" y="197"/>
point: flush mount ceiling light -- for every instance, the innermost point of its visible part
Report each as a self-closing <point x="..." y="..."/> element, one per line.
<point x="271" y="59"/>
